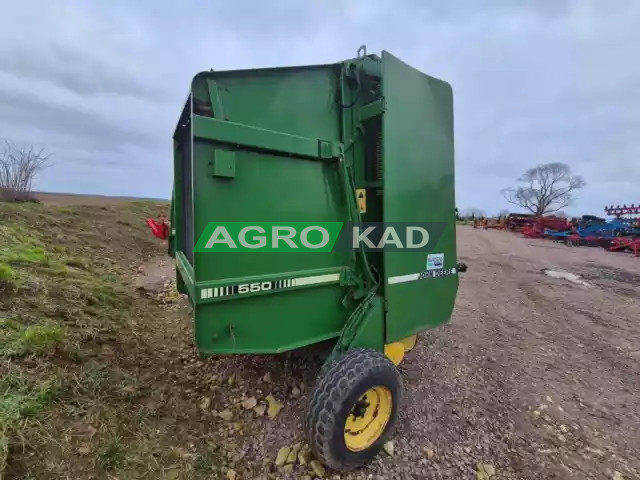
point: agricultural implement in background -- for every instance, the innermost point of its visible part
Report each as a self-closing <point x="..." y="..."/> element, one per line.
<point x="624" y="243"/>
<point x="619" y="234"/>
<point x="619" y="211"/>
<point x="516" y="222"/>
<point x="369" y="139"/>
<point x="543" y="226"/>
<point x="159" y="228"/>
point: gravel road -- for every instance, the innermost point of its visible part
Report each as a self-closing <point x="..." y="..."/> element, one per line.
<point x="536" y="377"/>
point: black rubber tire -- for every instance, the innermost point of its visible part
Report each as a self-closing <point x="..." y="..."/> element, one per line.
<point x="341" y="384"/>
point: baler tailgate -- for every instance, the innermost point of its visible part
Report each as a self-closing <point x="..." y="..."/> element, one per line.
<point x="418" y="180"/>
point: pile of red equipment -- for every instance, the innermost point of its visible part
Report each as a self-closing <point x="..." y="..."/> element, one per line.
<point x="542" y="225"/>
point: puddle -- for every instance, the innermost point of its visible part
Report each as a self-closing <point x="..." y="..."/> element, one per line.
<point x="572" y="277"/>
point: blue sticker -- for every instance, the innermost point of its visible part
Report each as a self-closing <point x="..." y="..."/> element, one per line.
<point x="435" y="261"/>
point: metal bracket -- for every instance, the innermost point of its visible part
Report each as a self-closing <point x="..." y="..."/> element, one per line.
<point x="354" y="326"/>
<point x="373" y="109"/>
<point x="350" y="278"/>
<point x="208" y="128"/>
<point x="329" y="149"/>
<point x="223" y="164"/>
<point x="216" y="102"/>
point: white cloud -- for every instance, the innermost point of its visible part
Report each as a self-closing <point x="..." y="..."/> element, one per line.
<point x="101" y="84"/>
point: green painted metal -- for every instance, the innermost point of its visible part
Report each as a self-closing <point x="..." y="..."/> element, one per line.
<point x="373" y="109"/>
<point x="293" y="145"/>
<point x="223" y="164"/>
<point x="418" y="187"/>
<point x="360" y="329"/>
<point x="217" y="108"/>
<point x="186" y="275"/>
<point x="247" y="136"/>
<point x="370" y="332"/>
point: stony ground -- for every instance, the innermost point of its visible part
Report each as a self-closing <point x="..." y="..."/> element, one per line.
<point x="535" y="377"/>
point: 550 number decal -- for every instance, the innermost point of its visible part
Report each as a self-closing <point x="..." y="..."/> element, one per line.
<point x="254" y="287"/>
<point x="244" y="288"/>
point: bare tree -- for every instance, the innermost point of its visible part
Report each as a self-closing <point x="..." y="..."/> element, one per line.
<point x="503" y="213"/>
<point x="19" y="165"/>
<point x="547" y="188"/>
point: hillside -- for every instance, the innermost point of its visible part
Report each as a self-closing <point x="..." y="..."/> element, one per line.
<point x="67" y="307"/>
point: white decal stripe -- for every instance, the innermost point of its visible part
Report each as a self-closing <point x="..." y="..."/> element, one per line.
<point x="278" y="284"/>
<point x="330" y="277"/>
<point x="403" y="278"/>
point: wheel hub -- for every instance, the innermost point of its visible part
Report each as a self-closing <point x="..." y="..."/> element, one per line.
<point x="368" y="418"/>
<point x="360" y="408"/>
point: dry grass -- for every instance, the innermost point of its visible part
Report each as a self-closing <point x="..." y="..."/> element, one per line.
<point x="69" y="199"/>
<point x="66" y="303"/>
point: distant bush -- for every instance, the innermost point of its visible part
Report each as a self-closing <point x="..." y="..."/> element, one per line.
<point x="9" y="195"/>
<point x="19" y="166"/>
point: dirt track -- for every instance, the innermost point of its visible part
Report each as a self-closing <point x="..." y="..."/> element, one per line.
<point x="538" y="376"/>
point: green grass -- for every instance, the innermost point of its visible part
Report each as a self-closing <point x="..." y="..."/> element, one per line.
<point x="19" y="400"/>
<point x="6" y="272"/>
<point x="26" y="254"/>
<point x="112" y="454"/>
<point x="64" y="289"/>
<point x="18" y="340"/>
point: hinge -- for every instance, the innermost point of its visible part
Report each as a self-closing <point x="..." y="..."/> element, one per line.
<point x="328" y="149"/>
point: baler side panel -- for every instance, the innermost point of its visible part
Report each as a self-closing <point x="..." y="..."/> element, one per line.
<point x="268" y="186"/>
<point x="418" y="183"/>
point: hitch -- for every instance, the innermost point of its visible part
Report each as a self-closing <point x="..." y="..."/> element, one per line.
<point x="159" y="228"/>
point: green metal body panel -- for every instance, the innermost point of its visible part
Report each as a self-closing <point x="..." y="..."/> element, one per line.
<point x="418" y="187"/>
<point x="289" y="145"/>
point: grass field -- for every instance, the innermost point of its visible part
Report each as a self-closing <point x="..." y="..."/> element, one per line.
<point x="65" y="199"/>
<point x="65" y="303"/>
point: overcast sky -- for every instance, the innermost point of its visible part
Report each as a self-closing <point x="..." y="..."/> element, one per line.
<point x="100" y="83"/>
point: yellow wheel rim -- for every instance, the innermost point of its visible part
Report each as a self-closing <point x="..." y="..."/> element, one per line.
<point x="368" y="418"/>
